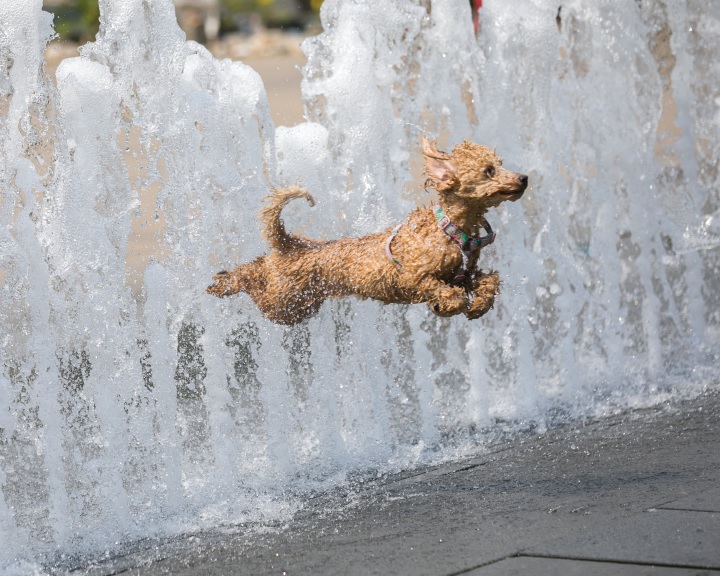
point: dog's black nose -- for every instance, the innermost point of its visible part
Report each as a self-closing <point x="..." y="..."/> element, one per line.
<point x="523" y="179"/>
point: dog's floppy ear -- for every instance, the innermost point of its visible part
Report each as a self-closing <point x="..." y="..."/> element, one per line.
<point x="438" y="165"/>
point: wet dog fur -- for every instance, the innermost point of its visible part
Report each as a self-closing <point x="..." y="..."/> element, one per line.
<point x="290" y="283"/>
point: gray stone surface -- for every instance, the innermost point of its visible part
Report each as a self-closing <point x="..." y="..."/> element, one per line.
<point x="596" y="491"/>
<point x="523" y="565"/>
<point x="666" y="537"/>
<point x="707" y="501"/>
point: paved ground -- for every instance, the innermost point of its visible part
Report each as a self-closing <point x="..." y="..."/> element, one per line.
<point x="636" y="494"/>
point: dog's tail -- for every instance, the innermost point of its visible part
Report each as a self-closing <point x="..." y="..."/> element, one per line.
<point x="273" y="227"/>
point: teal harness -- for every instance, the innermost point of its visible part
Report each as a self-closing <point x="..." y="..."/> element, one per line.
<point x="469" y="246"/>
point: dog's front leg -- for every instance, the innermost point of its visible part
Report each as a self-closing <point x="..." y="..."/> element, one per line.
<point x="444" y="299"/>
<point x="484" y="288"/>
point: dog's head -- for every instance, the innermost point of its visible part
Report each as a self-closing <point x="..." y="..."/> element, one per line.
<point x="473" y="172"/>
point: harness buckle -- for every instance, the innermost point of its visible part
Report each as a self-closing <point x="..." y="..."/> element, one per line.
<point x="444" y="222"/>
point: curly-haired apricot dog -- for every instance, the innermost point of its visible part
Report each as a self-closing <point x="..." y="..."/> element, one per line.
<point x="431" y="257"/>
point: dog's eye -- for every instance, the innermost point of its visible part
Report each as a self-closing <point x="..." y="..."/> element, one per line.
<point x="490" y="172"/>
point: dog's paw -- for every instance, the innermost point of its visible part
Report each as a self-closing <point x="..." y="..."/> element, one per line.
<point x="450" y="302"/>
<point x="436" y="309"/>
<point x="222" y="285"/>
<point x="488" y="287"/>
<point x="478" y="308"/>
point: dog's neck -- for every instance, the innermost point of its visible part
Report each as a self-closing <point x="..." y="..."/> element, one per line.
<point x="466" y="214"/>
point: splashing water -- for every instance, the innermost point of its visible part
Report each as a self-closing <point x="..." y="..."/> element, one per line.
<point x="132" y="404"/>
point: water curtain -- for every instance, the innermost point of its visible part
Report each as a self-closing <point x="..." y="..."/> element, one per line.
<point x="134" y="405"/>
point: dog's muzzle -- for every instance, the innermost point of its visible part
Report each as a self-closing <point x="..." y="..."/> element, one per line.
<point x="520" y="190"/>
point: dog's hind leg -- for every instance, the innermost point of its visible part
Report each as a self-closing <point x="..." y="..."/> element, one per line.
<point x="243" y="279"/>
<point x="485" y="288"/>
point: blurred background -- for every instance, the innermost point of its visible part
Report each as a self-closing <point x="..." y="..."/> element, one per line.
<point x="265" y="34"/>
<point x="204" y="21"/>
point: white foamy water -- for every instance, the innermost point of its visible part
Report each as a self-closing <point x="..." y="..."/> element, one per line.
<point x="132" y="404"/>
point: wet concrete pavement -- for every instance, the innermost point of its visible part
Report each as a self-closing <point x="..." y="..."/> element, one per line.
<point x="634" y="494"/>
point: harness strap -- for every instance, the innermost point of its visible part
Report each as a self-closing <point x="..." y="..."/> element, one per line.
<point x="388" y="251"/>
<point x="468" y="244"/>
